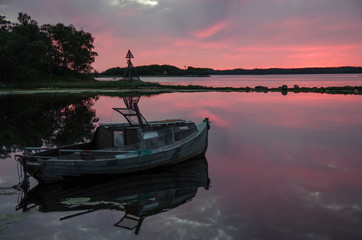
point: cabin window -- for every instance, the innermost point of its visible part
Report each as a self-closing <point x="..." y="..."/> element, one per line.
<point x="130" y="136"/>
<point x="118" y="138"/>
<point x="148" y="135"/>
<point x="183" y="131"/>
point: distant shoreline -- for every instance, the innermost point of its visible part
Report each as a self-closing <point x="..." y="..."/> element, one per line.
<point x="281" y="71"/>
<point x="170" y="71"/>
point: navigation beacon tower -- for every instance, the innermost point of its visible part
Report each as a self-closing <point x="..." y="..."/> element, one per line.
<point x="131" y="73"/>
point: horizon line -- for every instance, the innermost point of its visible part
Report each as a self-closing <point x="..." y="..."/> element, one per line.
<point x="307" y="67"/>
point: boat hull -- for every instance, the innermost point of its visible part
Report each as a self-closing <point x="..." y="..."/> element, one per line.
<point x="51" y="170"/>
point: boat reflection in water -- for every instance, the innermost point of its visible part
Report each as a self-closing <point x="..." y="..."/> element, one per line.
<point x="138" y="196"/>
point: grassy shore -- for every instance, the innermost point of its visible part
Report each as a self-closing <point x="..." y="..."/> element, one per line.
<point x="148" y="87"/>
<point x="77" y="84"/>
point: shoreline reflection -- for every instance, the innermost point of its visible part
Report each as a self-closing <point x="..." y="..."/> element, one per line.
<point x="44" y="120"/>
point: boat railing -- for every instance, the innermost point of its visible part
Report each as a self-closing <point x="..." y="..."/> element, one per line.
<point x="167" y="122"/>
<point x="114" y="124"/>
<point x="95" y="151"/>
<point x="30" y="157"/>
<point x="150" y="123"/>
<point x="68" y="152"/>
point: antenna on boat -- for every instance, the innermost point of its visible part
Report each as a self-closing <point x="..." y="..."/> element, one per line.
<point x="131" y="73"/>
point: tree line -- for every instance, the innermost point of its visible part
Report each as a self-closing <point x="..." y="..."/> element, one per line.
<point x="158" y="70"/>
<point x="29" y="51"/>
<point x="168" y="70"/>
<point x="312" y="70"/>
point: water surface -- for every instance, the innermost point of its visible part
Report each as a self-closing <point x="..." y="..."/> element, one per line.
<point x="302" y="80"/>
<point x="281" y="167"/>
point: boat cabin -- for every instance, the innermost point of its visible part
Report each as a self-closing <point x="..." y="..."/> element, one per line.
<point x="148" y="136"/>
<point x="140" y="134"/>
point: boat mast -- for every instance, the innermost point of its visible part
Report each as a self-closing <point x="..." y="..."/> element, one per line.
<point x="131" y="73"/>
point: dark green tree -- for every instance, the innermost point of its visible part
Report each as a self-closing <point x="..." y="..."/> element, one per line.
<point x="82" y="55"/>
<point x="4" y="50"/>
<point x="4" y="25"/>
<point x="72" y="50"/>
<point x="31" y="52"/>
<point x="23" y="49"/>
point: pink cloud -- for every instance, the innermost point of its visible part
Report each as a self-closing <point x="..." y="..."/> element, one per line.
<point x="204" y="33"/>
<point x="298" y="48"/>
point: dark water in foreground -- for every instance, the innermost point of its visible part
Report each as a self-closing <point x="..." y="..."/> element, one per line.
<point x="281" y="167"/>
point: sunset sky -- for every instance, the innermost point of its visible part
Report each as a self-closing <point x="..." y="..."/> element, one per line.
<point x="221" y="34"/>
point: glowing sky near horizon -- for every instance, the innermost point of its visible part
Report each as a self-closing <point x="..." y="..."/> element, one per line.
<point x="221" y="34"/>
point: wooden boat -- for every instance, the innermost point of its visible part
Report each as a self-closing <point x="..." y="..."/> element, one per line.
<point x="121" y="148"/>
<point x="137" y="196"/>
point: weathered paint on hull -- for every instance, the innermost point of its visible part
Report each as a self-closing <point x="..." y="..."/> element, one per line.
<point x="57" y="170"/>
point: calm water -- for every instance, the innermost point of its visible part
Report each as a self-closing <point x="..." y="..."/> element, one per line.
<point x="302" y="80"/>
<point x="281" y="167"/>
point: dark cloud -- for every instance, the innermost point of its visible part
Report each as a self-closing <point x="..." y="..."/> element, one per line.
<point x="204" y="29"/>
